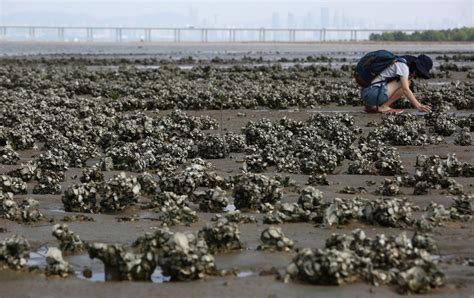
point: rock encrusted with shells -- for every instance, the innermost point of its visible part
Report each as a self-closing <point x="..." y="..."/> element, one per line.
<point x="122" y="264"/>
<point x="273" y="239"/>
<point x="14" y="252"/>
<point x="221" y="236"/>
<point x="69" y="242"/>
<point x="186" y="257"/>
<point x="382" y="260"/>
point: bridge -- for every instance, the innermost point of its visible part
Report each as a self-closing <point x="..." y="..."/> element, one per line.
<point x="186" y="34"/>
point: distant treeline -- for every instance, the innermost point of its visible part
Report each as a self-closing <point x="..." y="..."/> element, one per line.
<point x="459" y="34"/>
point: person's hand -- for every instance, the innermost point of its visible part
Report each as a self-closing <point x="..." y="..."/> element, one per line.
<point x="423" y="108"/>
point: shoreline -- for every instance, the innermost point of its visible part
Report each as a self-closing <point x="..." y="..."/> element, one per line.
<point x="222" y="49"/>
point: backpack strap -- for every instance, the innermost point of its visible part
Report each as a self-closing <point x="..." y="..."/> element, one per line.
<point x="397" y="59"/>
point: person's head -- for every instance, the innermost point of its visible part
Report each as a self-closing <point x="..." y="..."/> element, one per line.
<point x="419" y="66"/>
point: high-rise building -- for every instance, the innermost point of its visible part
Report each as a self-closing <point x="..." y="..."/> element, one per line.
<point x="291" y="20"/>
<point x="324" y="17"/>
<point x="275" y="20"/>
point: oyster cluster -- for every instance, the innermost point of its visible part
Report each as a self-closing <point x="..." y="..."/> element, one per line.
<point x="119" y="192"/>
<point x="314" y="146"/>
<point x="153" y="241"/>
<point x="174" y="209"/>
<point x="235" y="216"/>
<point x="13" y="185"/>
<point x="82" y="197"/>
<point x="373" y="157"/>
<point x="340" y="211"/>
<point x="436" y="172"/>
<point x="186" y="257"/>
<point x="8" y="156"/>
<point x="286" y="212"/>
<point x="390" y="212"/>
<point x="68" y="241"/>
<point x="14" y="252"/>
<point x="463" y="137"/>
<point x="252" y="190"/>
<point x="403" y="129"/>
<point x="113" y="195"/>
<point x="406" y="263"/>
<point x="197" y="174"/>
<point x="25" y="210"/>
<point x="56" y="265"/>
<point x="211" y="200"/>
<point x="390" y="187"/>
<point x="121" y="264"/>
<point x="49" y="182"/>
<point x="273" y="239"/>
<point x="221" y="236"/>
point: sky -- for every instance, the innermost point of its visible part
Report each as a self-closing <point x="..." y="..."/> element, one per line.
<point x="418" y="14"/>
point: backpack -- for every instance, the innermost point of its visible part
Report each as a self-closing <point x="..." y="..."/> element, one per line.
<point x="372" y="64"/>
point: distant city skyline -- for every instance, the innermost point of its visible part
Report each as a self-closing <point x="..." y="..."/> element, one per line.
<point x="314" y="14"/>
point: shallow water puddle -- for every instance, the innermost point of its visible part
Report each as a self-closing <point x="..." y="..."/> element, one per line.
<point x="96" y="267"/>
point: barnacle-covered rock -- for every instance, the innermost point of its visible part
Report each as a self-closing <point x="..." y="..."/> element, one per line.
<point x="15" y="252"/>
<point x="422" y="188"/>
<point x="193" y="176"/>
<point x="436" y="213"/>
<point x="464" y="205"/>
<point x="174" y="209"/>
<point x="442" y="123"/>
<point x="213" y="146"/>
<point x="119" y="192"/>
<point x="55" y="160"/>
<point x="25" y="211"/>
<point x="92" y="174"/>
<point x="186" y="257"/>
<point x="318" y="179"/>
<point x="68" y="240"/>
<point x="20" y="137"/>
<point x="381" y="260"/>
<point x="129" y="157"/>
<point x="311" y="199"/>
<point x="212" y="200"/>
<point x="221" y="236"/>
<point x="342" y="210"/>
<point x="323" y="266"/>
<point x="353" y="190"/>
<point x="286" y="212"/>
<point x="401" y="130"/>
<point x="121" y="264"/>
<point x="235" y="142"/>
<point x="153" y="241"/>
<point x="254" y="163"/>
<point x="8" y="156"/>
<point x="391" y="212"/>
<point x="252" y="190"/>
<point x="148" y="183"/>
<point x="273" y="239"/>
<point x="13" y="185"/>
<point x="420" y="278"/>
<point x="49" y="183"/>
<point x="389" y="187"/>
<point x="81" y="197"/>
<point x="25" y="172"/>
<point x="374" y="157"/>
<point x="56" y="264"/>
<point x="235" y="216"/>
<point x="463" y="137"/>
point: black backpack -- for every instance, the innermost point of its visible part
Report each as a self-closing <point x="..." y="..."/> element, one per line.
<point x="372" y="64"/>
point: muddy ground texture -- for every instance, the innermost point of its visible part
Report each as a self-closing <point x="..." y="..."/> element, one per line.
<point x="139" y="158"/>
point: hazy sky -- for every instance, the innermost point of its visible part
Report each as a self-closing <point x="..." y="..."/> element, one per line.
<point x="421" y="14"/>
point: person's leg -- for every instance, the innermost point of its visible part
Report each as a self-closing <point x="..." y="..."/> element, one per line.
<point x="394" y="93"/>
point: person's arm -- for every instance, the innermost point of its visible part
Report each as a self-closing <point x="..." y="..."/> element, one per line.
<point x="411" y="97"/>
